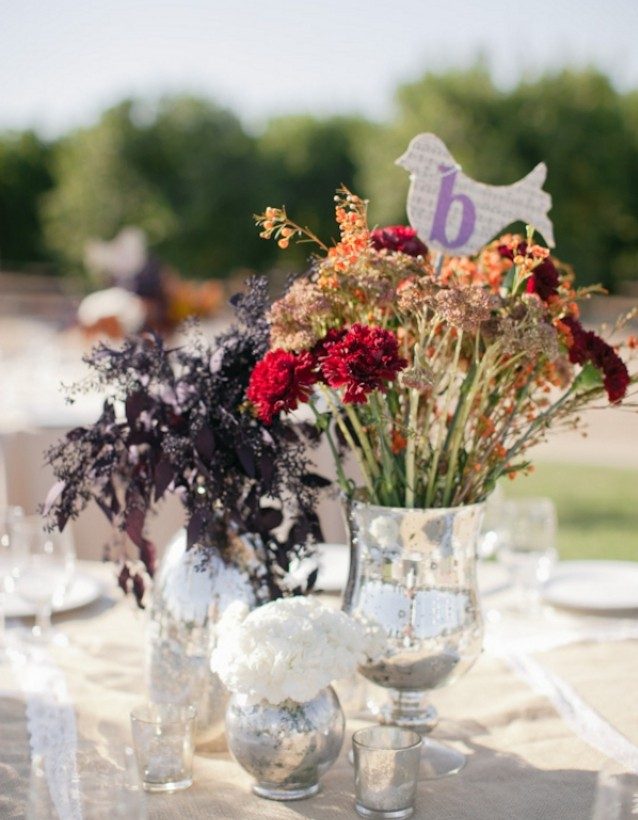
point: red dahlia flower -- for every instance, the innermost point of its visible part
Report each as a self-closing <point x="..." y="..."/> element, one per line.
<point x="398" y="238"/>
<point x="280" y="381"/>
<point x="363" y="360"/>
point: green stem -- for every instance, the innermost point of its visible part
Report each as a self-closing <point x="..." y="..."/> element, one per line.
<point x="469" y="389"/>
<point x="382" y="422"/>
<point x="351" y="444"/>
<point x="341" y="476"/>
<point x="436" y="455"/>
<point x="363" y="439"/>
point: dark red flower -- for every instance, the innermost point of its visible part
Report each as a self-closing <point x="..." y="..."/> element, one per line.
<point x="280" y="381"/>
<point x="398" y="238"/>
<point x="578" y="344"/>
<point x="321" y="349"/>
<point x="604" y="357"/>
<point x="543" y="280"/>
<point x="362" y="361"/>
<point x="585" y="346"/>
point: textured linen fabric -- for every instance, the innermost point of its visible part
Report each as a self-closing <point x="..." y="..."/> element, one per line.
<point x="524" y="761"/>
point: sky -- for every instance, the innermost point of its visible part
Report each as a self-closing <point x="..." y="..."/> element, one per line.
<point x="64" y="61"/>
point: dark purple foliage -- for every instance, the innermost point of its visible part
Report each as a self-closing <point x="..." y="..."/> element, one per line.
<point x="184" y="428"/>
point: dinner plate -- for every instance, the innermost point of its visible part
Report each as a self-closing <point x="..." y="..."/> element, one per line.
<point x="84" y="589"/>
<point x="596" y="586"/>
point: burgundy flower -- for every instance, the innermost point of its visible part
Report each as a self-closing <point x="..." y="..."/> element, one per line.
<point x="362" y="361"/>
<point x="280" y="381"/>
<point x="544" y="280"/>
<point x="585" y="346"/>
<point x="578" y="348"/>
<point x="398" y="238"/>
<point x="604" y="357"/>
<point x="322" y="348"/>
<point x="506" y="252"/>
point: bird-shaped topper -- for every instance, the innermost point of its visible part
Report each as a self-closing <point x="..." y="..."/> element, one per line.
<point x="455" y="214"/>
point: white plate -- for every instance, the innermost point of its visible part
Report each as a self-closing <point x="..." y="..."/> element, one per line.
<point x="334" y="560"/>
<point x="84" y="590"/>
<point x="597" y="586"/>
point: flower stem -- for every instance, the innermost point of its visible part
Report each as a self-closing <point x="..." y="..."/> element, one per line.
<point x="389" y="463"/>
<point x="351" y="444"/>
<point x="341" y="476"/>
<point x="436" y="455"/>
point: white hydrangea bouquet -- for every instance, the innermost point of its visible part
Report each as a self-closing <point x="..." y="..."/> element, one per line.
<point x="287" y="650"/>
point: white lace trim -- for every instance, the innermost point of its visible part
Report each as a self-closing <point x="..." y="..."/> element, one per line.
<point x="581" y="718"/>
<point x="52" y="728"/>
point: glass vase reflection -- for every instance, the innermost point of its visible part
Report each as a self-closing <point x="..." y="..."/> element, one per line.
<point x="191" y="591"/>
<point x="286" y="747"/>
<point x="413" y="575"/>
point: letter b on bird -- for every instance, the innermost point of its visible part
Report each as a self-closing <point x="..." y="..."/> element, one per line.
<point x="456" y="234"/>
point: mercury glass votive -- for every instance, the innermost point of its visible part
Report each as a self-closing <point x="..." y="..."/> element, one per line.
<point x="163" y="737"/>
<point x="386" y="771"/>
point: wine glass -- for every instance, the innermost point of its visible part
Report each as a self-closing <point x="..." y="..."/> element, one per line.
<point x="45" y="563"/>
<point x="526" y="538"/>
<point x="8" y="568"/>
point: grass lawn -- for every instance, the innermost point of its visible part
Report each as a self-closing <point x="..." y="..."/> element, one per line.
<point x="597" y="508"/>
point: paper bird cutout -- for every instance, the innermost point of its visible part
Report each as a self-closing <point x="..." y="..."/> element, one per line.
<point x="455" y="214"/>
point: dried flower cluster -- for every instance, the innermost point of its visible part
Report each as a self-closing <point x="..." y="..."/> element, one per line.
<point x="437" y="377"/>
<point x="175" y="422"/>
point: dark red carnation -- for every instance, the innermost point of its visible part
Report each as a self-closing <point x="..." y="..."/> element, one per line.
<point x="543" y="280"/>
<point x="280" y="381"/>
<point x="604" y="357"/>
<point x="578" y="346"/>
<point x="320" y="350"/>
<point x="398" y="238"/>
<point x="585" y="346"/>
<point x="362" y="361"/>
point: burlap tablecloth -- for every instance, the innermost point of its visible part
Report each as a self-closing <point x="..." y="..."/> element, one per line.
<point x="525" y="761"/>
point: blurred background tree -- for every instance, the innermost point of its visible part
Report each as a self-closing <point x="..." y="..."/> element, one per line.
<point x="25" y="162"/>
<point x="188" y="172"/>
<point x="574" y="121"/>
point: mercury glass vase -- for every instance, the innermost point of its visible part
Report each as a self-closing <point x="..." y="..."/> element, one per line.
<point x="288" y="747"/>
<point x="191" y="591"/>
<point x="413" y="574"/>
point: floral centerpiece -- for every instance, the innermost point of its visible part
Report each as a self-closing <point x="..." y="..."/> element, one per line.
<point x="284" y="722"/>
<point x="173" y="422"/>
<point x="439" y="376"/>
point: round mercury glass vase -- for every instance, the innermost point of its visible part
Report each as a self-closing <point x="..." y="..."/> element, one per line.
<point x="413" y="575"/>
<point x="286" y="747"/>
<point x="192" y="589"/>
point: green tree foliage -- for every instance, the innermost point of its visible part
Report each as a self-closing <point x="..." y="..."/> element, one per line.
<point x="188" y="173"/>
<point x="304" y="160"/>
<point x="182" y="171"/>
<point x="24" y="178"/>
<point x="576" y="122"/>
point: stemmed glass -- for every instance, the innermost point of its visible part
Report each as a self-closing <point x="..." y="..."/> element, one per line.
<point x="45" y="562"/>
<point x="526" y="538"/>
<point x="8" y="568"/>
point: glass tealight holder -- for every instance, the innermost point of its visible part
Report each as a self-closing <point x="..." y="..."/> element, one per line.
<point x="386" y="771"/>
<point x="163" y="738"/>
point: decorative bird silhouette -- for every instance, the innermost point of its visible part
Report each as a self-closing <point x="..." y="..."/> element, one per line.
<point x="453" y="213"/>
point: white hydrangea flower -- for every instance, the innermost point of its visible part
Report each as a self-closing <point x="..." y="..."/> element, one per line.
<point x="288" y="649"/>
